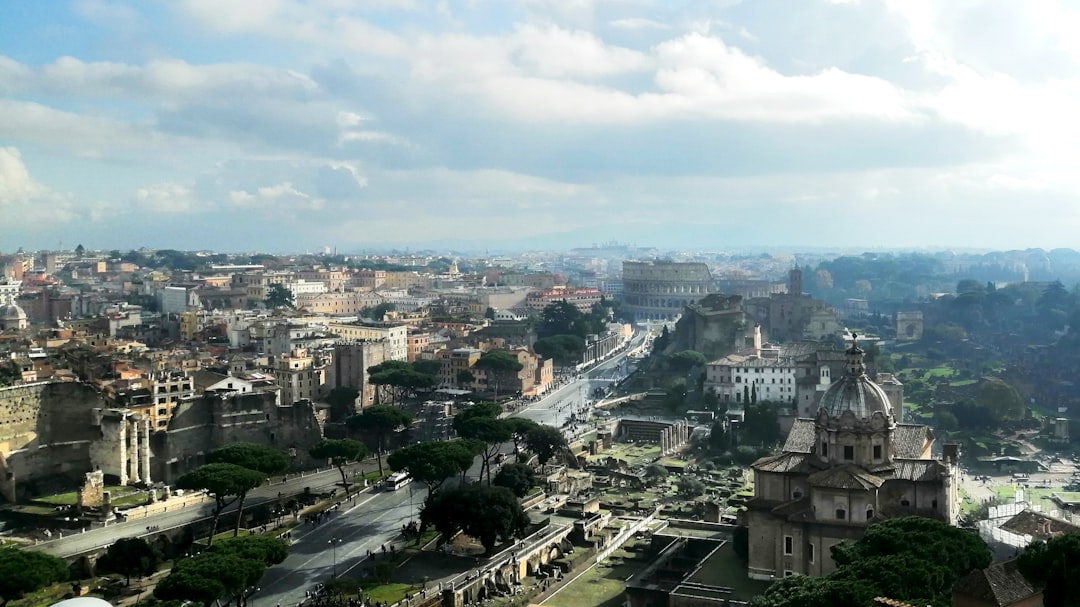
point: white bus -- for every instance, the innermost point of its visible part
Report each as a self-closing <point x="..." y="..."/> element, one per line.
<point x="397" y="480"/>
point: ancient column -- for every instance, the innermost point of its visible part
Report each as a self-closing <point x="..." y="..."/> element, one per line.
<point x="122" y="450"/>
<point x="144" y="453"/>
<point x="133" y="455"/>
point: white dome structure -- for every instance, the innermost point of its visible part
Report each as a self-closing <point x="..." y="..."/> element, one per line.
<point x="83" y="601"/>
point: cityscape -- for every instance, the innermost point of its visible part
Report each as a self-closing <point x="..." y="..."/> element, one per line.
<point x="559" y="303"/>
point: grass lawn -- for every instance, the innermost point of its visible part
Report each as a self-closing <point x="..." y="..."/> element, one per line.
<point x="72" y="497"/>
<point x="388" y="593"/>
<point x="44" y="597"/>
<point x="601" y="586"/>
<point x="1035" y="495"/>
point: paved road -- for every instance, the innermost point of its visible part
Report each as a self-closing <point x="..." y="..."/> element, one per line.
<point x="103" y="536"/>
<point x="340" y="543"/>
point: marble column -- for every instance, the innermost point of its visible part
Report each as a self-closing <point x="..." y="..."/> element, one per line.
<point x="144" y="453"/>
<point x="133" y="454"/>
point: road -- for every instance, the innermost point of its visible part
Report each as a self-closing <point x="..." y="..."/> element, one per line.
<point x="339" y="544"/>
<point x="375" y="519"/>
<point x="102" y="536"/>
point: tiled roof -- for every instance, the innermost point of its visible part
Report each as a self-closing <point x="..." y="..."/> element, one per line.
<point x="784" y="462"/>
<point x="909" y="439"/>
<point x="1038" y="525"/>
<point x="999" y="584"/>
<point x="845" y="477"/>
<point x="916" y="470"/>
<point x="802" y="437"/>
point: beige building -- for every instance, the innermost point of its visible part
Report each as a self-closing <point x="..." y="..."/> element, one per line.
<point x="300" y="375"/>
<point x="850" y="466"/>
<point x="347" y="303"/>
<point x="395" y="335"/>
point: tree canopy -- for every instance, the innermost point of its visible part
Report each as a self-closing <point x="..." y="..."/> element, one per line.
<point x="484" y="513"/>
<point x="491" y="431"/>
<point x="432" y="462"/>
<point x="563" y="349"/>
<point x="226" y="569"/>
<point x="379" y="421"/>
<point x="129" y="556"/>
<point x="262" y="458"/>
<point x="913" y="559"/>
<point x="1052" y="565"/>
<point x="339" y="452"/>
<point x="279" y="296"/>
<point x="499" y="366"/>
<point x="403" y="376"/>
<point x="227" y="483"/>
<point x="23" y="571"/>
<point x="518" y="478"/>
<point x="563" y="318"/>
<point x="545" y="441"/>
<point x="342" y="401"/>
<point x="685" y="360"/>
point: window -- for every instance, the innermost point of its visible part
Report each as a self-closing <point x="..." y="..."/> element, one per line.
<point x="810" y="553"/>
<point x="796" y="494"/>
<point x="788" y="573"/>
<point x="824" y="449"/>
<point x="905" y="503"/>
<point x="933" y="504"/>
<point x="162" y="411"/>
<point x="849" y="452"/>
<point x="789" y="545"/>
<point x="877" y="451"/>
<point x="869" y="513"/>
<point x="841" y="514"/>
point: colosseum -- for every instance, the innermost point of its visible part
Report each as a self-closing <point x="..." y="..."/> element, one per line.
<point x="659" y="290"/>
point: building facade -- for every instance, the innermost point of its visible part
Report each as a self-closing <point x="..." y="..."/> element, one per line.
<point x="848" y="467"/>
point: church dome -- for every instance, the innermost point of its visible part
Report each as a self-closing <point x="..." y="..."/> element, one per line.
<point x="12" y="312"/>
<point x="855" y="391"/>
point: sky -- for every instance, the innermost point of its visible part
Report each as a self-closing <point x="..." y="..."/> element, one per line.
<point x="290" y="125"/>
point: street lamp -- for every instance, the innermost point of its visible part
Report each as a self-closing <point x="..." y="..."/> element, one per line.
<point x="334" y="541"/>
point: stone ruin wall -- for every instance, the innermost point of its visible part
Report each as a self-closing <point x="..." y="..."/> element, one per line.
<point x="46" y="429"/>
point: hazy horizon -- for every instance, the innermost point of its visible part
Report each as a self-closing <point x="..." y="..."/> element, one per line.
<point x="286" y="125"/>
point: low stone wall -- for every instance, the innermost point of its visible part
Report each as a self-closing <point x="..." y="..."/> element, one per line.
<point x="173" y="503"/>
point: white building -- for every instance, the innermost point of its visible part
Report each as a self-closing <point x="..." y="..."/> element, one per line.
<point x="734" y="376"/>
<point x="306" y="287"/>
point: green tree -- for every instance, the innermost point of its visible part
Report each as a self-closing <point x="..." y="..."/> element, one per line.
<point x="23" y="571"/>
<point x="260" y="548"/>
<point x="261" y="458"/>
<point x="129" y="556"/>
<point x="518" y="478"/>
<point x="342" y="401"/>
<point x="279" y="296"/>
<point x="465" y="378"/>
<point x="499" y="365"/>
<point x="226" y="483"/>
<point x="545" y="441"/>
<point x="432" y="463"/>
<point x="426" y="367"/>
<point x="489" y="313"/>
<point x="563" y="349"/>
<point x="760" y="424"/>
<point x="928" y="551"/>
<point x="559" y="318"/>
<point x="379" y="421"/>
<point x="1002" y="399"/>
<point x="379" y="312"/>
<point x="520" y="428"/>
<point x="686" y="360"/>
<point x="484" y="513"/>
<point x="655" y="472"/>
<point x="808" y="591"/>
<point x="690" y="487"/>
<point x="339" y="452"/>
<point x="719" y="439"/>
<point x="1052" y="565"/>
<point x="209" y="577"/>
<point x="491" y="431"/>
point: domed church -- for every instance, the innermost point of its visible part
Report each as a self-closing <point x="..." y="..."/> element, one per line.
<point x="850" y="466"/>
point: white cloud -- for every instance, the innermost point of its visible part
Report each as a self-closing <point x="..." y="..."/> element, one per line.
<point x="282" y="196"/>
<point x="638" y="23"/>
<point x="23" y="199"/>
<point x="170" y="198"/>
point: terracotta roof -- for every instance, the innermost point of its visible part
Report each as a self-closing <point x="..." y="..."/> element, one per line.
<point x="845" y="477"/>
<point x="909" y="439"/>
<point x="916" y="470"/>
<point x="802" y="437"/>
<point x="1038" y="525"/>
<point x="999" y="584"/>
<point x="784" y="462"/>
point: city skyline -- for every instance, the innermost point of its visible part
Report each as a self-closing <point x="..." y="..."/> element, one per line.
<point x="285" y="126"/>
